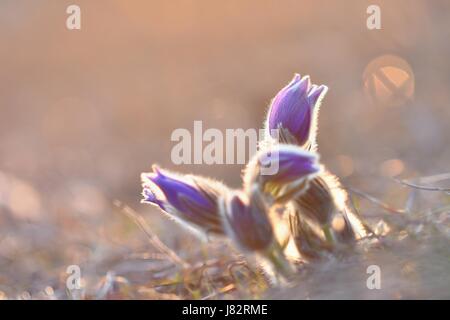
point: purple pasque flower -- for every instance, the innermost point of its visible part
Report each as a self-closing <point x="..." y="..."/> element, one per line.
<point x="282" y="170"/>
<point x="293" y="111"/>
<point x="246" y="221"/>
<point x="290" y="161"/>
<point x="189" y="199"/>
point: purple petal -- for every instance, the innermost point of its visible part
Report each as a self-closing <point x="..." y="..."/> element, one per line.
<point x="248" y="223"/>
<point x="173" y="187"/>
<point x="293" y="163"/>
<point x="315" y="94"/>
<point x="292" y="108"/>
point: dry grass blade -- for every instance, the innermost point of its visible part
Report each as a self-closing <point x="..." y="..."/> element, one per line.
<point x="374" y="200"/>
<point x="228" y="288"/>
<point x="154" y="240"/>
<point x="410" y="201"/>
<point x="421" y="187"/>
<point x="434" y="178"/>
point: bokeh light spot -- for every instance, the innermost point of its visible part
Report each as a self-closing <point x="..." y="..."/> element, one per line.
<point x="345" y="165"/>
<point x="389" y="80"/>
<point x="392" y="167"/>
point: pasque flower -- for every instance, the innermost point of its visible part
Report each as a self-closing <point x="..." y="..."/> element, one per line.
<point x="310" y="241"/>
<point x="321" y="219"/>
<point x="282" y="170"/>
<point x="245" y="218"/>
<point x="189" y="199"/>
<point x="293" y="112"/>
<point x="287" y="195"/>
<point x="317" y="203"/>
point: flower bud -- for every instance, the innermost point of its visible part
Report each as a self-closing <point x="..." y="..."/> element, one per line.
<point x="294" y="110"/>
<point x="282" y="171"/>
<point x="308" y="238"/>
<point x="320" y="219"/>
<point x="317" y="203"/>
<point x="246" y="221"/>
<point x="188" y="199"/>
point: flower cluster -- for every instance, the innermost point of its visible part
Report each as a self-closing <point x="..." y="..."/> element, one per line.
<point x="284" y="188"/>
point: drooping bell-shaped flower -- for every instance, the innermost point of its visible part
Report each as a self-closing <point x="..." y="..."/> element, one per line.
<point x="188" y="199"/>
<point x="293" y="112"/>
<point x="245" y="219"/>
<point x="282" y="171"/>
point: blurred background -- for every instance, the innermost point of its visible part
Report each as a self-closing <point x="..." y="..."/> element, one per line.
<point x="84" y="112"/>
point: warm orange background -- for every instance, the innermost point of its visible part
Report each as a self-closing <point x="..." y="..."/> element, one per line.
<point x="84" y="112"/>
